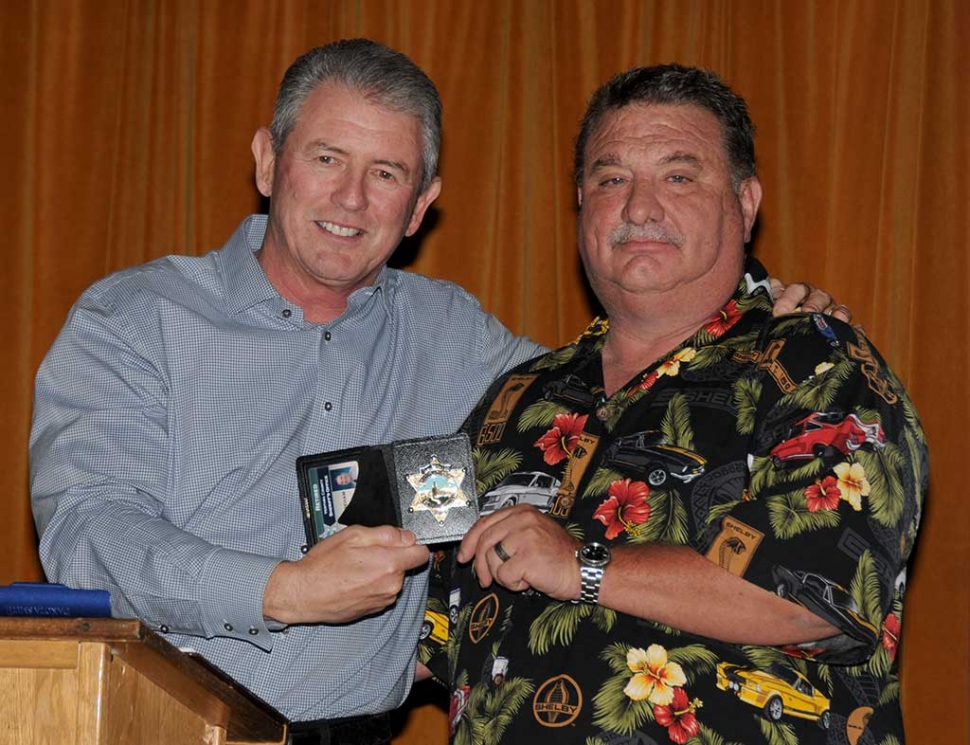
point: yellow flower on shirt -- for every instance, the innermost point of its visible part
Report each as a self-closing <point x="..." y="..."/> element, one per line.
<point x="853" y="484"/>
<point x="654" y="677"/>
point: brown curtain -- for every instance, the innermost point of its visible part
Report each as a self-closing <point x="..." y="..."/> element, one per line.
<point x="125" y="135"/>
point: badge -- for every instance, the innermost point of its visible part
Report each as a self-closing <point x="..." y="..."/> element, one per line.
<point x="437" y="488"/>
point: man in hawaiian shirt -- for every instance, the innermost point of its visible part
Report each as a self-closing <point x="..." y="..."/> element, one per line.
<point x="707" y="511"/>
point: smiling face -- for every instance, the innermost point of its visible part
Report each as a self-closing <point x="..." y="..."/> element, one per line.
<point x="658" y="215"/>
<point x="344" y="192"/>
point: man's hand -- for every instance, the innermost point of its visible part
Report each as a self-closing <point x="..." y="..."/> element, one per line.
<point x="540" y="554"/>
<point x="357" y="572"/>
<point x="801" y="296"/>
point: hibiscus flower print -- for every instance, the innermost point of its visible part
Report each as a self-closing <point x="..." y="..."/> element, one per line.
<point x="648" y="380"/>
<point x="559" y="442"/>
<point x="654" y="679"/>
<point x="853" y="484"/>
<point x="724" y="319"/>
<point x="824" y="494"/>
<point x="678" y="717"/>
<point x="672" y="366"/>
<point x="625" y="509"/>
<point x="890" y="634"/>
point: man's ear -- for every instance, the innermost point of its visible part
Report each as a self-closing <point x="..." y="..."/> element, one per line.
<point x="749" y="196"/>
<point x="265" y="161"/>
<point x="421" y="205"/>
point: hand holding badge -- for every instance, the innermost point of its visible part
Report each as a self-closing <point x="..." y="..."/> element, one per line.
<point x="425" y="485"/>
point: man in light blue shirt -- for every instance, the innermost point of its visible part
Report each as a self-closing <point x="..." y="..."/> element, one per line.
<point x="171" y="409"/>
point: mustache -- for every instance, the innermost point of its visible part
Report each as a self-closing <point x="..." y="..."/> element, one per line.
<point x="649" y="232"/>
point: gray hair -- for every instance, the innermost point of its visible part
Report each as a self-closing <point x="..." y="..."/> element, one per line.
<point x="675" y="85"/>
<point x="386" y="77"/>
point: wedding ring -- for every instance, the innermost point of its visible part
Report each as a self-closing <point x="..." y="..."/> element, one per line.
<point x="500" y="552"/>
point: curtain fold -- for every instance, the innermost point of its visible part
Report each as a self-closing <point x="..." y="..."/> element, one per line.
<point x="126" y="130"/>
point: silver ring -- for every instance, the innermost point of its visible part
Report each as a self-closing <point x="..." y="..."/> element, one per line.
<point x="500" y="552"/>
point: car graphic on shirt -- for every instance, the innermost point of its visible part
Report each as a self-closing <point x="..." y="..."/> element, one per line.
<point x="822" y="433"/>
<point x="434" y="625"/>
<point x="571" y="389"/>
<point x="522" y="487"/>
<point x="649" y="453"/>
<point x="777" y="691"/>
<point x="826" y="599"/>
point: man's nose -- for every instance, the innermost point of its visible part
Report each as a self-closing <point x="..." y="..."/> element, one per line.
<point x="642" y="204"/>
<point x="351" y="192"/>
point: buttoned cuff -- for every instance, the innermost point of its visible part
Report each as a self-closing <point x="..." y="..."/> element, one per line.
<point x="233" y="583"/>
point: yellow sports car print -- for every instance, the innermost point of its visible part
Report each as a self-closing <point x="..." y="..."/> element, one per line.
<point x="776" y="691"/>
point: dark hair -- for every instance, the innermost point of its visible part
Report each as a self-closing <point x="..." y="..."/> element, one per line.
<point x="675" y="85"/>
<point x="383" y="75"/>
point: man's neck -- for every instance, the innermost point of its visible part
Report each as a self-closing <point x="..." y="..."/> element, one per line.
<point x="648" y="331"/>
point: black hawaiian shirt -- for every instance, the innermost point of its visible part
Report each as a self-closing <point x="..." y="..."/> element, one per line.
<point x="784" y="450"/>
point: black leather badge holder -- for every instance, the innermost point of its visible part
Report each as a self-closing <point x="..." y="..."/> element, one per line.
<point x="425" y="485"/>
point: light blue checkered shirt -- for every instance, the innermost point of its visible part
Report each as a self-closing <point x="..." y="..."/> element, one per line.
<point x="168" y="418"/>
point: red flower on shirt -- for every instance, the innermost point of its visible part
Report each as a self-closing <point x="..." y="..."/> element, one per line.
<point x="890" y="634"/>
<point x="678" y="717"/>
<point x="559" y="442"/>
<point x="823" y="495"/>
<point x="625" y="508"/>
<point x="648" y="380"/>
<point x="724" y="319"/>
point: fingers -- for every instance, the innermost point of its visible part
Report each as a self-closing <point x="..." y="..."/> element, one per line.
<point x="842" y="312"/>
<point x="791" y="298"/>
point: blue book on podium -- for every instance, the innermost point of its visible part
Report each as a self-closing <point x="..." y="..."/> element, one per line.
<point x="43" y="599"/>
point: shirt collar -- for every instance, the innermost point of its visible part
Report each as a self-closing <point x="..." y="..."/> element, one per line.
<point x="247" y="284"/>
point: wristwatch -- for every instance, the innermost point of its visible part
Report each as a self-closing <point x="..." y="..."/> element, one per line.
<point x="593" y="558"/>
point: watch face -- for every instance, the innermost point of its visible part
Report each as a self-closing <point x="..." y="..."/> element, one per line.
<point x="594" y="554"/>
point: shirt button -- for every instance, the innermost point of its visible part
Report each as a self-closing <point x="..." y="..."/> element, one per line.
<point x="602" y="413"/>
<point x="253" y="631"/>
<point x="328" y="406"/>
<point x="227" y="626"/>
<point x="287" y="313"/>
<point x="327" y="336"/>
<point x="163" y="628"/>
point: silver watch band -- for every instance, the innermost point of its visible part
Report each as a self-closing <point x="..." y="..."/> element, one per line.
<point x="590" y="579"/>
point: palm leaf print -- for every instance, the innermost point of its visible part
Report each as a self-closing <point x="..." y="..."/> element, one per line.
<point x="557" y="624"/>
<point x="492" y="467"/>
<point x="777" y="733"/>
<point x="747" y="393"/>
<point x="500" y="707"/>
<point x="695" y="659"/>
<point x="890" y="693"/>
<point x="667" y="522"/>
<point x="887" y="498"/>
<point x="819" y="391"/>
<point x="789" y="516"/>
<point x="540" y="415"/>
<point x="614" y="711"/>
<point x="599" y="483"/>
<point x="676" y="423"/>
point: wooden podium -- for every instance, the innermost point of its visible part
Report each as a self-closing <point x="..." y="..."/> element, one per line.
<point x="105" y="682"/>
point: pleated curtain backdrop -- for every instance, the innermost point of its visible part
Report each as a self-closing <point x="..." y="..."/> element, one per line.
<point x="125" y="134"/>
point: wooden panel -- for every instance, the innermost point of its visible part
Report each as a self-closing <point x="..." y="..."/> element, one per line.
<point x="93" y="658"/>
<point x="136" y="710"/>
<point x="37" y="706"/>
<point x="38" y="654"/>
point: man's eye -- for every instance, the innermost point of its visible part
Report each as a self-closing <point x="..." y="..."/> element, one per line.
<point x="612" y="181"/>
<point x="385" y="175"/>
<point x="326" y="159"/>
<point x="678" y="178"/>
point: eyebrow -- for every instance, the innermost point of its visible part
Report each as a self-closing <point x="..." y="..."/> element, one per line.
<point x="681" y="157"/>
<point x="394" y="164"/>
<point x="604" y="161"/>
